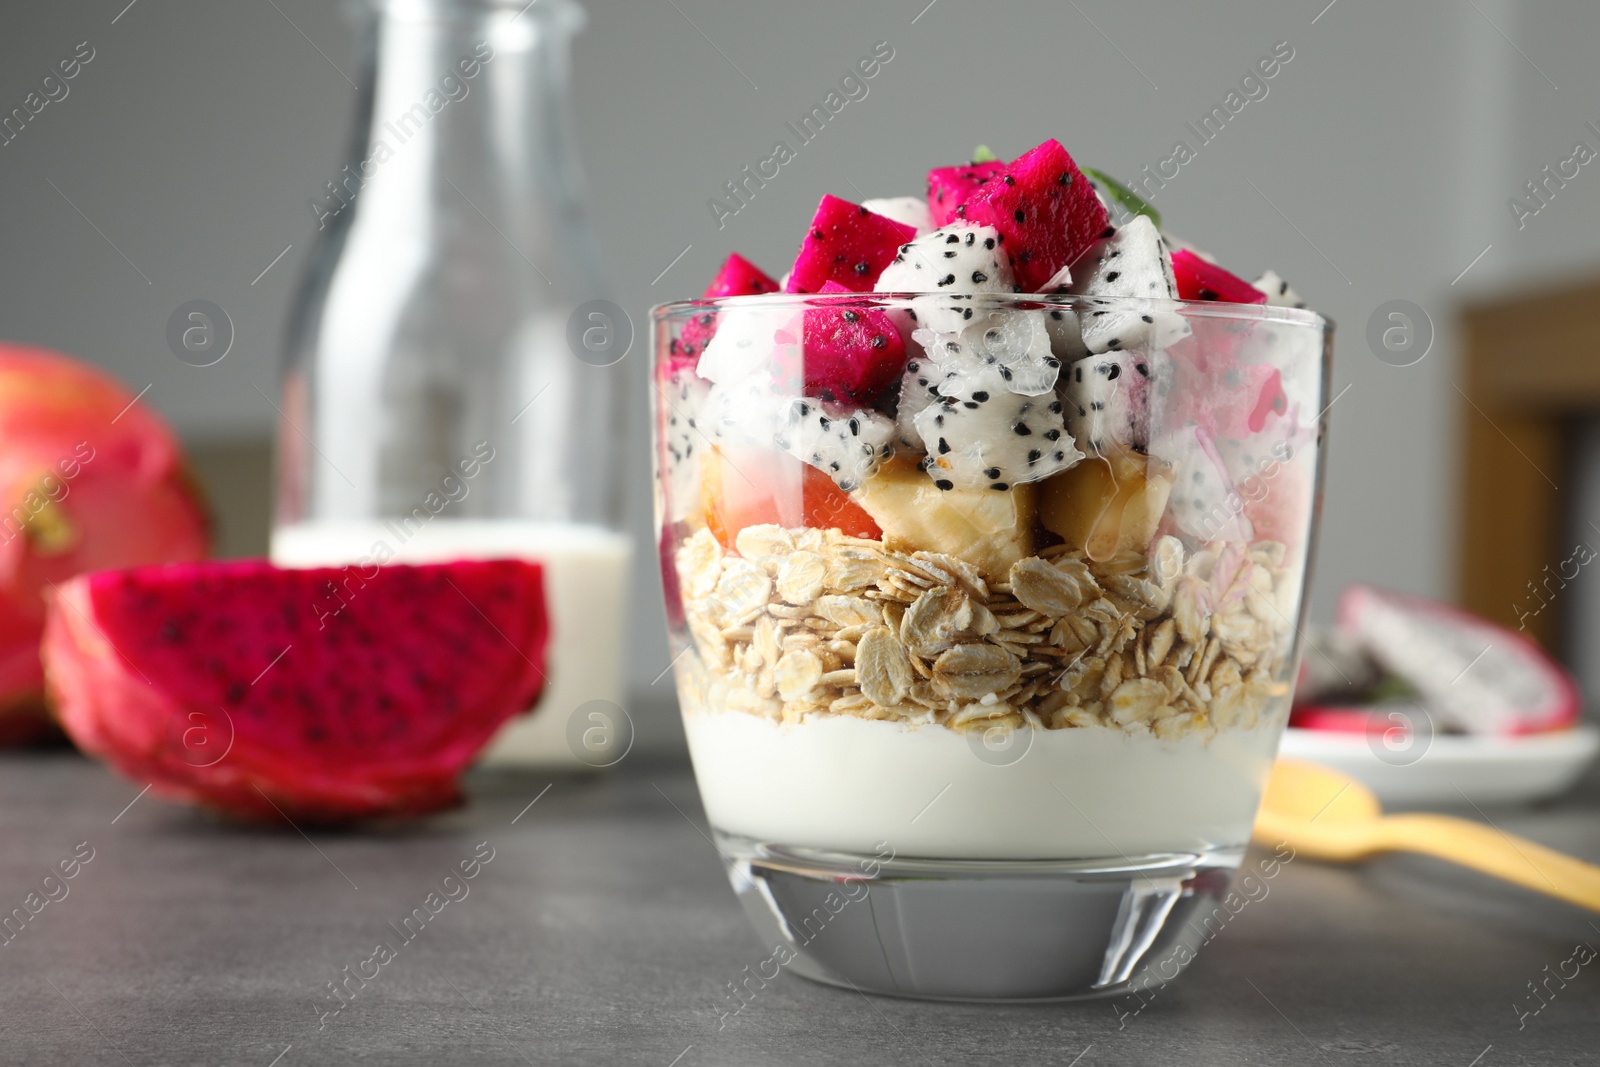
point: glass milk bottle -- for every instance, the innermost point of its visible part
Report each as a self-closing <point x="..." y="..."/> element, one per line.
<point x="433" y="405"/>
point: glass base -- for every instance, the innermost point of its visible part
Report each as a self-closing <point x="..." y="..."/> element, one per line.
<point x="995" y="930"/>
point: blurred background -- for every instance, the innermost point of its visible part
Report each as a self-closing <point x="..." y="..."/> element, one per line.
<point x="1383" y="164"/>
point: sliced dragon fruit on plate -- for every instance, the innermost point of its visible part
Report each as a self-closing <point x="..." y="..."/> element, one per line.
<point x="847" y="244"/>
<point x="949" y="187"/>
<point x="1469" y="674"/>
<point x="1047" y="210"/>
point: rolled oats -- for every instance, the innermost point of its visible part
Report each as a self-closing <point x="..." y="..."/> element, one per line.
<point x="844" y="611"/>
<point x="764" y="544"/>
<point x="882" y="667"/>
<point x="1140" y="700"/>
<point x="797" y="674"/>
<point x="933" y="620"/>
<point x="1163" y="643"/>
<point x="968" y="672"/>
<point x="700" y="564"/>
<point x="1054" y="589"/>
<point x="800" y="577"/>
<point x="742" y="590"/>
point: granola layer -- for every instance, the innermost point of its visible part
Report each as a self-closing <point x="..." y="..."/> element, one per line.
<point x="808" y="622"/>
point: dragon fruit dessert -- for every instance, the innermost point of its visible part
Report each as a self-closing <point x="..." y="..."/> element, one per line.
<point x="1004" y="461"/>
<point x="91" y="478"/>
<point x="320" y="695"/>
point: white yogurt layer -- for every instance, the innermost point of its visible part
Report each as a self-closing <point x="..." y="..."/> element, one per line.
<point x="848" y="784"/>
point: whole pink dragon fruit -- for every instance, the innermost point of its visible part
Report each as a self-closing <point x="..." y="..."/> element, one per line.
<point x="89" y="479"/>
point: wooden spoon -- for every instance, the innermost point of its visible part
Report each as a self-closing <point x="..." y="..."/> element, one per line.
<point x="1324" y="815"/>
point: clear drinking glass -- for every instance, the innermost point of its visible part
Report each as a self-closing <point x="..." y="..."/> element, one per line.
<point x="962" y="734"/>
<point x="434" y="406"/>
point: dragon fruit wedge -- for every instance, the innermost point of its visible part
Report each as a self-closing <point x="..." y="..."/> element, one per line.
<point x="981" y="435"/>
<point x="949" y="187"/>
<point x="1045" y="207"/>
<point x="954" y="261"/>
<point x="853" y="352"/>
<point x="1470" y="674"/>
<point x="1131" y="263"/>
<point x="1199" y="279"/>
<point x="737" y="277"/>
<point x="1279" y="293"/>
<point x="1107" y="399"/>
<point x="907" y="210"/>
<point x="317" y="695"/>
<point x="89" y="479"/>
<point x="846" y="244"/>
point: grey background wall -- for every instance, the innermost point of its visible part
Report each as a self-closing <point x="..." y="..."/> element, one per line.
<point x="1377" y="167"/>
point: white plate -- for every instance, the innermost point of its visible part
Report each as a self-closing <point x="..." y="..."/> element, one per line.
<point x="1453" y="770"/>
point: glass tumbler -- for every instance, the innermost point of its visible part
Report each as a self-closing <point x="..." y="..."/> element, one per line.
<point x="985" y="642"/>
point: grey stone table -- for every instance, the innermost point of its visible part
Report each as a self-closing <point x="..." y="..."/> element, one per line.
<point x="602" y="931"/>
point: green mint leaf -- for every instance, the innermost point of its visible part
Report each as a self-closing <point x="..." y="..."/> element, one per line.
<point x="1131" y="202"/>
<point x="983" y="154"/>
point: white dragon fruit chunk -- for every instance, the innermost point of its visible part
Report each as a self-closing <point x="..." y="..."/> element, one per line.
<point x="980" y="435"/>
<point x="1204" y="502"/>
<point x="1279" y="293"/>
<point x="1015" y="343"/>
<point x="954" y="262"/>
<point x="1066" y="333"/>
<point x="846" y="444"/>
<point x="747" y="343"/>
<point x="919" y="387"/>
<point x="1129" y="264"/>
<point x="1107" y="398"/>
<point x="685" y="396"/>
<point x="906" y="210"/>
<point x="1018" y="344"/>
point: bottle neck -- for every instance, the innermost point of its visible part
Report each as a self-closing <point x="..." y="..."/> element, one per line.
<point x="463" y="111"/>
